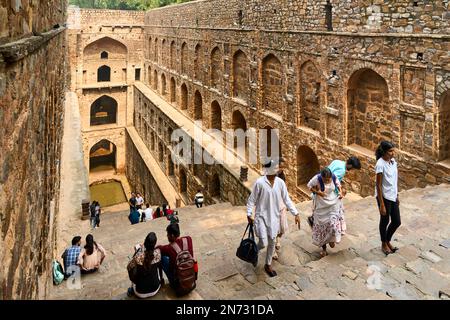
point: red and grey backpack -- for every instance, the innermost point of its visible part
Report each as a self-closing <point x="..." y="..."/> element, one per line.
<point x="184" y="269"/>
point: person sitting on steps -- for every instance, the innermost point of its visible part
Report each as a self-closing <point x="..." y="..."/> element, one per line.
<point x="178" y="261"/>
<point x="91" y="256"/>
<point x="145" y="270"/>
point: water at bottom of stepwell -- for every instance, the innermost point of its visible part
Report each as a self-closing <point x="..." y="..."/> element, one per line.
<point x="108" y="193"/>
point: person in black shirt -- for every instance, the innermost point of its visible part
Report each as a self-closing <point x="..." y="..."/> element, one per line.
<point x="145" y="269"/>
<point x="132" y="202"/>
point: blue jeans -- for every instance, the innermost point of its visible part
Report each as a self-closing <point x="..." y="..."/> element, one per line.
<point x="165" y="261"/>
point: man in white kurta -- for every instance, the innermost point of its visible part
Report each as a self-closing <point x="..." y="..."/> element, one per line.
<point x="268" y="195"/>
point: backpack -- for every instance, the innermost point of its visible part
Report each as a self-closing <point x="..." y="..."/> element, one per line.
<point x="322" y="185"/>
<point x="58" y="274"/>
<point x="248" y="250"/>
<point x="184" y="269"/>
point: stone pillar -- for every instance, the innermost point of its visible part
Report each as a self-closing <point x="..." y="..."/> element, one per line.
<point x="85" y="214"/>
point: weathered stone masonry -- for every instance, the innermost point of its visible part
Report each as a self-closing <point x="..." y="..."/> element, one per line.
<point x="382" y="73"/>
<point x="33" y="71"/>
<point x="105" y="56"/>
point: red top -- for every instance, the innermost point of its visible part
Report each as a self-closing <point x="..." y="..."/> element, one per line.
<point x="168" y="250"/>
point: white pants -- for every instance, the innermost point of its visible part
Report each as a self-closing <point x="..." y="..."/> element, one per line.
<point x="270" y="249"/>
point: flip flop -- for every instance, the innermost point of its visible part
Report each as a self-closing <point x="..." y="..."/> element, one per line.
<point x="394" y="249"/>
<point x="387" y="252"/>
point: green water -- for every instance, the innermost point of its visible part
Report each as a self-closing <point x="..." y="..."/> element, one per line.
<point x="108" y="193"/>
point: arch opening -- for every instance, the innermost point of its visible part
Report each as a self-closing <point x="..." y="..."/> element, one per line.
<point x="104" y="74"/>
<point x="102" y="156"/>
<point x="103" y="111"/>
<point x="369" y="112"/>
<point x="307" y="166"/>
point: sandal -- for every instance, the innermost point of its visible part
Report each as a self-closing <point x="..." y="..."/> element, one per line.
<point x="323" y="253"/>
<point x="271" y="273"/>
<point x="387" y="252"/>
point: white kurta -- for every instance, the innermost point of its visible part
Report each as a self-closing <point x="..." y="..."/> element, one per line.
<point x="268" y="201"/>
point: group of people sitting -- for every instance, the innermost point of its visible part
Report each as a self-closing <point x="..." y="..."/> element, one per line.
<point x="88" y="259"/>
<point x="175" y="260"/>
<point x="138" y="214"/>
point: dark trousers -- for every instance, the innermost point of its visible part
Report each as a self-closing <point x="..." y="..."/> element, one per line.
<point x="387" y="229"/>
<point x="165" y="263"/>
<point x="199" y="205"/>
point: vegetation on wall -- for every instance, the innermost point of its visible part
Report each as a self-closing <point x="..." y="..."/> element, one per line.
<point x="124" y="4"/>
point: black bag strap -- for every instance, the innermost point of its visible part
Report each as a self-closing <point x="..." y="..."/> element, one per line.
<point x="251" y="233"/>
<point x="248" y="225"/>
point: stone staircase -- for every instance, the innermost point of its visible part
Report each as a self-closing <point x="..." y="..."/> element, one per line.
<point x="354" y="269"/>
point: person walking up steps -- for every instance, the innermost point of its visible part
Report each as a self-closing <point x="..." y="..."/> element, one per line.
<point x="267" y="196"/>
<point x="284" y="225"/>
<point x="326" y="210"/>
<point x="339" y="168"/>
<point x="386" y="192"/>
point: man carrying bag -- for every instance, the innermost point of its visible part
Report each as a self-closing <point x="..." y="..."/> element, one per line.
<point x="248" y="250"/>
<point x="269" y="192"/>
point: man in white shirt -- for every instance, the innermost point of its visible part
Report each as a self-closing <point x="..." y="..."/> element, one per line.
<point x="269" y="192"/>
<point x="147" y="215"/>
<point x="199" y="199"/>
<point x="139" y="201"/>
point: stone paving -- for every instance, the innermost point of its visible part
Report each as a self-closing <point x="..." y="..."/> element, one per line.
<point x="354" y="269"/>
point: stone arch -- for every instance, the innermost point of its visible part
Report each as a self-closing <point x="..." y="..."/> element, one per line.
<point x="103" y="111"/>
<point x="104" y="55"/>
<point x="104" y="74"/>
<point x="369" y="112"/>
<point x="307" y="165"/>
<point x="163" y="52"/>
<point x="172" y="55"/>
<point x="184" y="97"/>
<point x="155" y="80"/>
<point x="182" y="181"/>
<point x="214" y="186"/>
<point x="198" y="63"/>
<point x="171" y="166"/>
<point x="150" y="45"/>
<point x="173" y="90"/>
<point x="268" y="147"/>
<point x="241" y="75"/>
<point x="216" y="68"/>
<point x="198" y="106"/>
<point x="114" y="48"/>
<point x="184" y="58"/>
<point x="156" y="51"/>
<point x="272" y="79"/>
<point x="149" y="76"/>
<point x="444" y="126"/>
<point x="216" y="116"/>
<point x="310" y="89"/>
<point x="160" y="152"/>
<point x="102" y="155"/>
<point x="240" y="143"/>
<point x="152" y="141"/>
<point x="163" y="84"/>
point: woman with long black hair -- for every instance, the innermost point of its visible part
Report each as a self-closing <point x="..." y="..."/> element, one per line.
<point x="386" y="192"/>
<point x="92" y="255"/>
<point x="145" y="269"/>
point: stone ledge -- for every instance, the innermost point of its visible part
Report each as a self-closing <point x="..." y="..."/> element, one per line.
<point x="17" y="50"/>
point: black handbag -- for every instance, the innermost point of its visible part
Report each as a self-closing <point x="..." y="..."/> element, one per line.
<point x="248" y="250"/>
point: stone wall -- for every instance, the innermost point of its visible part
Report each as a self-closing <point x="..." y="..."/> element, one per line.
<point x="23" y="18"/>
<point x="139" y="177"/>
<point x="335" y="93"/>
<point x="108" y="41"/>
<point x="308" y="15"/>
<point x="32" y="86"/>
<point x="155" y="128"/>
